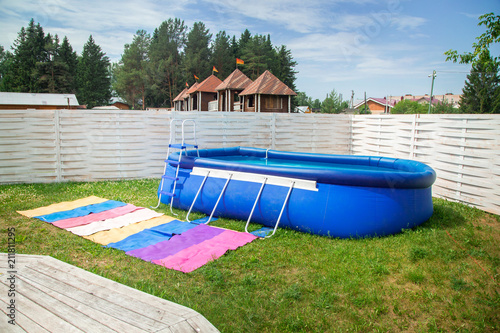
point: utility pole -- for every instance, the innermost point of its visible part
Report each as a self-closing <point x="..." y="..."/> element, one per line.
<point x="432" y="88"/>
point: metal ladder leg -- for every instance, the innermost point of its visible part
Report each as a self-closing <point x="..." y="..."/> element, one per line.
<point x="220" y="196"/>
<point x="196" y="196"/>
<point x="282" y="208"/>
<point x="255" y="203"/>
<point x="175" y="183"/>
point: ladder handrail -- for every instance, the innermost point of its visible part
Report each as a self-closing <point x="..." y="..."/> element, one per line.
<point x="196" y="196"/>
<point x="171" y="142"/>
<point x="220" y="196"/>
<point x="282" y="208"/>
<point x="255" y="203"/>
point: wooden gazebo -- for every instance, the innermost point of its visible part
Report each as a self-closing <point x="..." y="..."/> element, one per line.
<point x="228" y="91"/>
<point x="267" y="94"/>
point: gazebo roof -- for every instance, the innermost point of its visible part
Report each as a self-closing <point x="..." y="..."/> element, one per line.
<point x="182" y="95"/>
<point x="208" y="85"/>
<point x="267" y="84"/>
<point x="236" y="80"/>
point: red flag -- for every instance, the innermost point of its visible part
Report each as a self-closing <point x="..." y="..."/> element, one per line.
<point x="215" y="69"/>
<point x="195" y="77"/>
<point x="239" y="61"/>
<point x="187" y="85"/>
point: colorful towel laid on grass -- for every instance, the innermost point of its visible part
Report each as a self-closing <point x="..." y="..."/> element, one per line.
<point x="142" y="232"/>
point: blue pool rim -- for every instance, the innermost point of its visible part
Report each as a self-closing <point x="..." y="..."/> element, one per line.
<point x="383" y="172"/>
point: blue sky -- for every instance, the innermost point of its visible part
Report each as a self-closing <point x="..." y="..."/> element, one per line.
<point x="383" y="47"/>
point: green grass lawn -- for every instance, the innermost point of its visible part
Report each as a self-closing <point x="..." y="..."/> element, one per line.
<point x="419" y="280"/>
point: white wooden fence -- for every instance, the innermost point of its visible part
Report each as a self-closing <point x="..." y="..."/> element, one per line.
<point x="64" y="145"/>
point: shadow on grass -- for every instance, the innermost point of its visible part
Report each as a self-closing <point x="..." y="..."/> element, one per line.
<point x="449" y="215"/>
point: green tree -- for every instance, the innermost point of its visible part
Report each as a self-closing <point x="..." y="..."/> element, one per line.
<point x="6" y="76"/>
<point x="284" y="67"/>
<point x="409" y="107"/>
<point x="29" y="49"/>
<point x="222" y="55"/>
<point x="316" y="104"/>
<point x="364" y="110"/>
<point x="490" y="36"/>
<point x="333" y="103"/>
<point x="302" y="99"/>
<point x="197" y="52"/>
<point x="69" y="57"/>
<point x="57" y="71"/>
<point x="481" y="93"/>
<point x="93" y="77"/>
<point x="131" y="74"/>
<point x="258" y="55"/>
<point x="165" y="62"/>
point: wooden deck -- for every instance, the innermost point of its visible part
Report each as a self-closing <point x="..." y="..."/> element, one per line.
<point x="52" y="296"/>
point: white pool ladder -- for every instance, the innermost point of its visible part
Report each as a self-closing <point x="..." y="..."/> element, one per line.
<point x="175" y="144"/>
<point x="292" y="184"/>
<point x="218" y="199"/>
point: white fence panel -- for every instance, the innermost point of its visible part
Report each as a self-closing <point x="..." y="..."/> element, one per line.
<point x="61" y="145"/>
<point x="463" y="149"/>
<point x="29" y="146"/>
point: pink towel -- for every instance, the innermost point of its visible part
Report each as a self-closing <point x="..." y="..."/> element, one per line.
<point x="198" y="255"/>
<point x="107" y="214"/>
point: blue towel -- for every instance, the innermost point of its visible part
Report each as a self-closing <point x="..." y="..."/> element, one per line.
<point x="81" y="211"/>
<point x="152" y="236"/>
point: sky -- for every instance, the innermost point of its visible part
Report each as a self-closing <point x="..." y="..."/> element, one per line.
<point x="381" y="47"/>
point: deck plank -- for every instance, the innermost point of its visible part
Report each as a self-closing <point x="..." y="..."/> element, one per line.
<point x="57" y="297"/>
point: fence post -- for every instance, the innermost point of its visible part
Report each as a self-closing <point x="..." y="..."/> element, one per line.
<point x="57" y="133"/>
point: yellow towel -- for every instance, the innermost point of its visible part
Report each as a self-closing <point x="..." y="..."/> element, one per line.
<point x="62" y="206"/>
<point x="117" y="234"/>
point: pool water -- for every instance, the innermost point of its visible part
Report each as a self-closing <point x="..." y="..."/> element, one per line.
<point x="288" y="163"/>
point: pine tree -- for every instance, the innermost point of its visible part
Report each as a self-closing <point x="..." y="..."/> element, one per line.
<point x="29" y="49"/>
<point x="132" y="79"/>
<point x="333" y="103"/>
<point x="197" y="53"/>
<point x="284" y="67"/>
<point x="222" y="56"/>
<point x="68" y="57"/>
<point x="165" y="62"/>
<point x="6" y="76"/>
<point x="481" y="92"/>
<point x="94" y="84"/>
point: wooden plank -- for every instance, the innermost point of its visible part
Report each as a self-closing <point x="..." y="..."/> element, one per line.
<point x="60" y="297"/>
<point x="42" y="316"/>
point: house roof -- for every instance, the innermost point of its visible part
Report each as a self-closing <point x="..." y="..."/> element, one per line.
<point x="182" y="95"/>
<point x="192" y="89"/>
<point x="16" y="98"/>
<point x="208" y="85"/>
<point x="426" y="99"/>
<point x="267" y="84"/>
<point x="236" y="80"/>
<point x="381" y="101"/>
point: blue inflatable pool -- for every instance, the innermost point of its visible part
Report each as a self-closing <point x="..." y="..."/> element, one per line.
<point x="330" y="195"/>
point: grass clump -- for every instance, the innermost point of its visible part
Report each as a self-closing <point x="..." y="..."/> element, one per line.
<point x="440" y="276"/>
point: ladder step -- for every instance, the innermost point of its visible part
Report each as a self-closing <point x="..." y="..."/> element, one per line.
<point x="262" y="232"/>
<point x="167" y="193"/>
<point x="169" y="177"/>
<point x="181" y="145"/>
<point x="172" y="163"/>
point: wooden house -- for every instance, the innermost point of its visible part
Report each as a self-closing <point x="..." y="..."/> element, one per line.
<point x="377" y="105"/>
<point x="180" y="102"/>
<point x="267" y="94"/>
<point x="228" y="91"/>
<point x="201" y="95"/>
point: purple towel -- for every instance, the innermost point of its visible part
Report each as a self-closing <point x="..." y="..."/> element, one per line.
<point x="195" y="256"/>
<point x="177" y="243"/>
